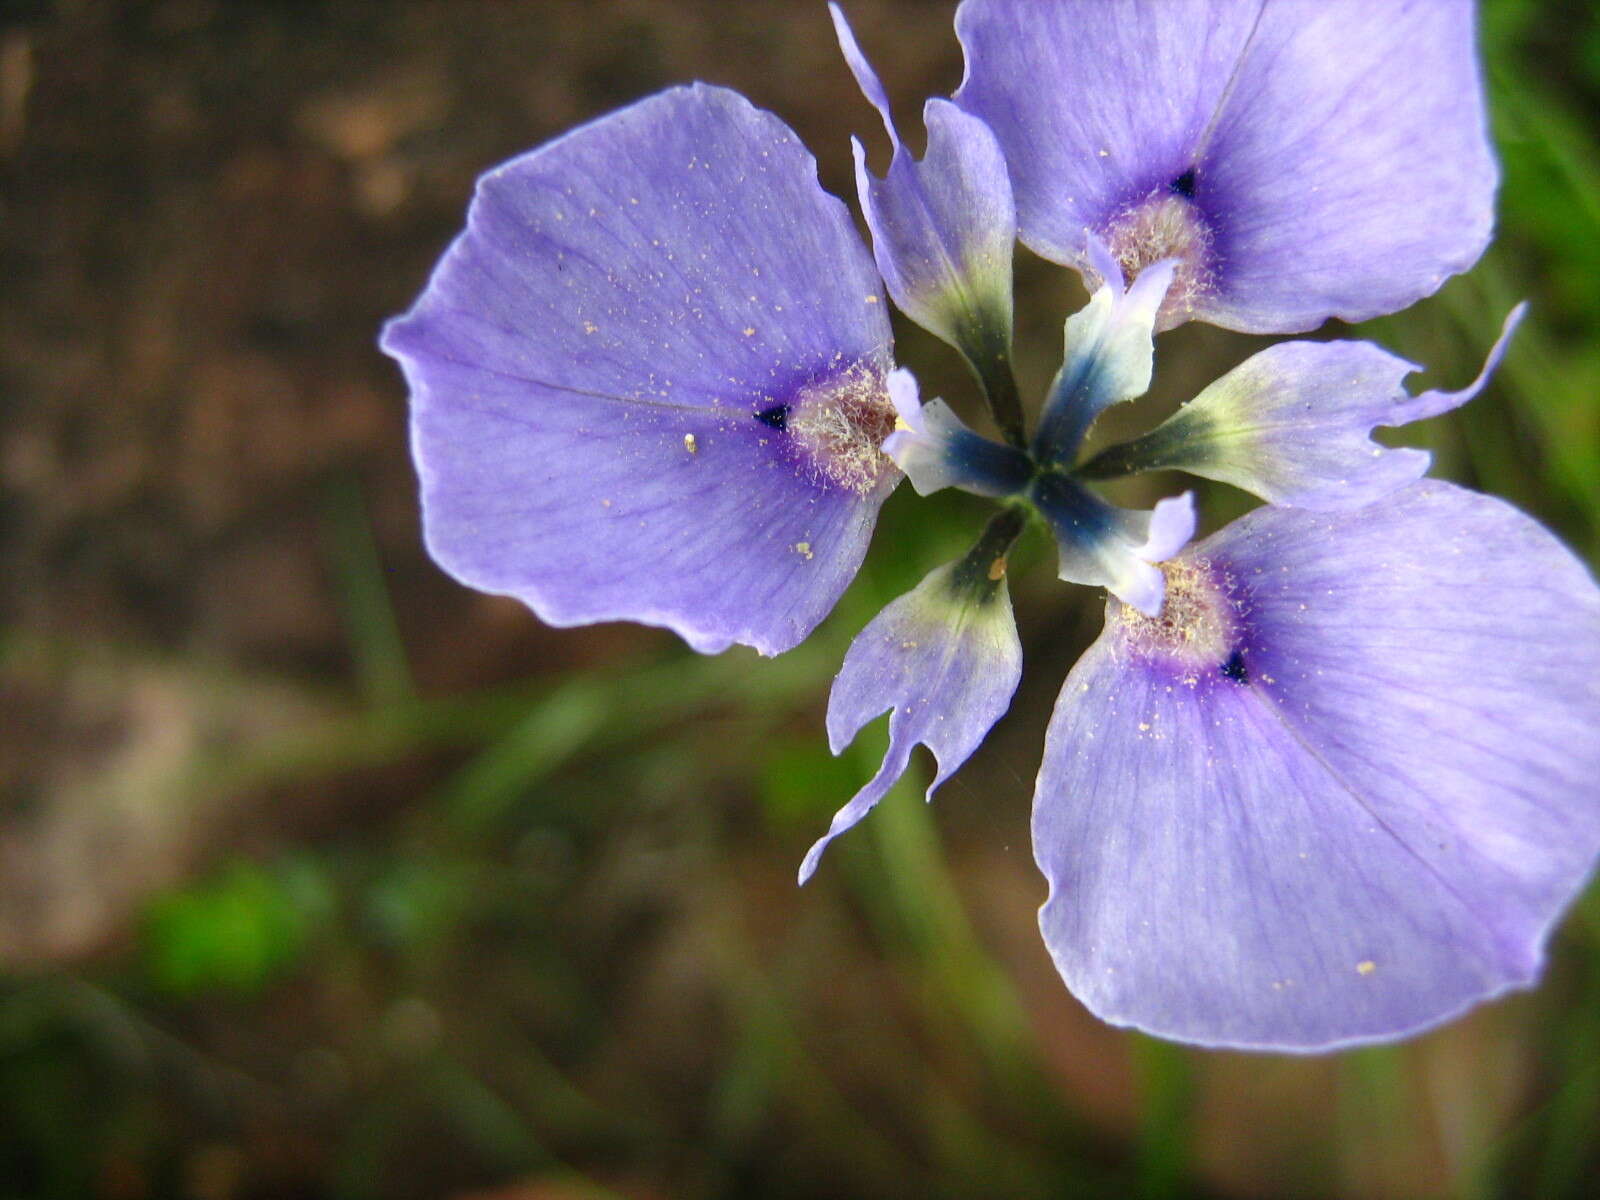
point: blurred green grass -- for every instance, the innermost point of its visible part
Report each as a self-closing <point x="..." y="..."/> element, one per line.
<point x="575" y="956"/>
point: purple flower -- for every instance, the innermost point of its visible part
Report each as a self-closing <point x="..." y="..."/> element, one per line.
<point x="1328" y="776"/>
<point x="1300" y="159"/>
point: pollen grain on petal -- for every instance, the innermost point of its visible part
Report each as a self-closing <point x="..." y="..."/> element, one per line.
<point x="1165" y="224"/>
<point x="1198" y="623"/>
<point x="840" y="424"/>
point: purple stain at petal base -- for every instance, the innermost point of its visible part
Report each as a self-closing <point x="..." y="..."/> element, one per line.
<point x="649" y="382"/>
<point x="1340" y="790"/>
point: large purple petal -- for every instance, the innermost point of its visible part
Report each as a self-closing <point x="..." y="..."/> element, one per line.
<point x="1302" y="159"/>
<point x="942" y="228"/>
<point x="1350" y="170"/>
<point x="1341" y="790"/>
<point x="945" y="657"/>
<point x="648" y="381"/>
<point x="1292" y="425"/>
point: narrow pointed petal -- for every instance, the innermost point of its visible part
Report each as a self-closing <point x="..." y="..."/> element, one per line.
<point x="945" y="657"/>
<point x="1341" y="790"/>
<point x="866" y="78"/>
<point x="1110" y="354"/>
<point x="1293" y="423"/>
<point x="942" y="228"/>
<point x="1100" y="545"/>
<point x="1300" y="159"/>
<point x="649" y="380"/>
<point x="936" y="449"/>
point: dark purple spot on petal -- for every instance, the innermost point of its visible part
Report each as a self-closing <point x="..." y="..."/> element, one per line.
<point x="776" y="417"/>
<point x="1234" y="668"/>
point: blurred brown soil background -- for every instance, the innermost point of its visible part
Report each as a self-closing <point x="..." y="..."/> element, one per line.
<point x="209" y="210"/>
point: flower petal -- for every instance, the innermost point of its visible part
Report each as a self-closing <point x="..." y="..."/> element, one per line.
<point x="1351" y="164"/>
<point x="648" y="381"/>
<point x="1341" y="790"/>
<point x="936" y="449"/>
<point x="1292" y="425"/>
<point x="942" y="228"/>
<point x="945" y="657"/>
<point x="1100" y="545"/>
<point x="1301" y="159"/>
<point x="1109" y="358"/>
